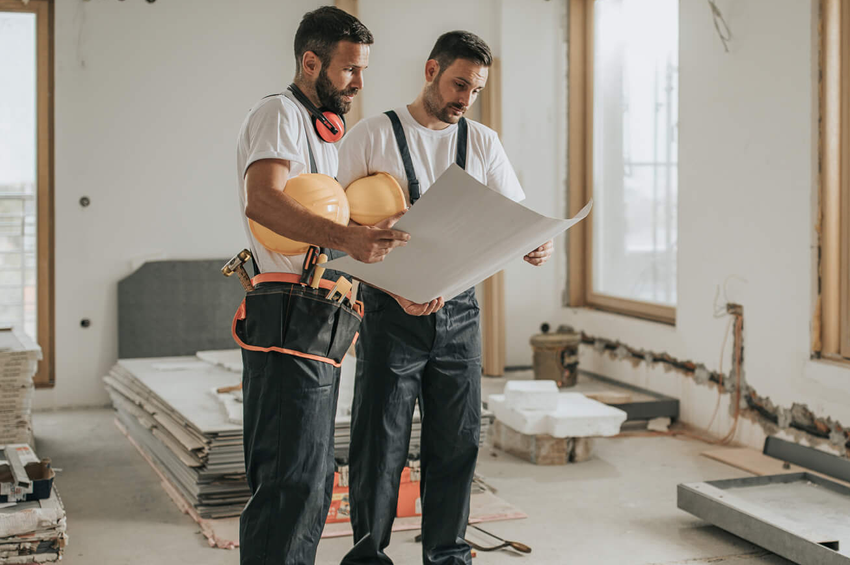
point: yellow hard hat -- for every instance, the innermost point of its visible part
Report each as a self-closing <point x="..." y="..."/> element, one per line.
<point x="374" y="198"/>
<point x="321" y="195"/>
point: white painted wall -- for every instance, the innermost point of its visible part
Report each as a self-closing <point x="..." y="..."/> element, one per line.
<point x="747" y="202"/>
<point x="405" y="32"/>
<point x="533" y="118"/>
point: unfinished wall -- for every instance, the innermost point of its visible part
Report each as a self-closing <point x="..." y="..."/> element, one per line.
<point x="747" y="187"/>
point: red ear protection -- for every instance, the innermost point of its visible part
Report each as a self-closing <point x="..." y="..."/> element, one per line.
<point x="323" y="130"/>
<point x="329" y="126"/>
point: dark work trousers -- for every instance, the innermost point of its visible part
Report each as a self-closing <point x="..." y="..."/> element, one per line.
<point x="400" y="358"/>
<point x="289" y="408"/>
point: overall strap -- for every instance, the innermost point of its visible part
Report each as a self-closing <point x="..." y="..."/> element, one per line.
<point x="462" y="135"/>
<point x="313" y="168"/>
<point x="404" y="150"/>
<point x="401" y="140"/>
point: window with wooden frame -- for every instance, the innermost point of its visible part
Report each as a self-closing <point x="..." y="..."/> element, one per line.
<point x="26" y="175"/>
<point x="832" y="323"/>
<point x="623" y="121"/>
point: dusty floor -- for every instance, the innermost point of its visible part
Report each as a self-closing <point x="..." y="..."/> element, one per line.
<point x="619" y="508"/>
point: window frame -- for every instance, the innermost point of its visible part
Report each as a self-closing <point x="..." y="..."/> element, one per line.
<point x="832" y="316"/>
<point x="45" y="281"/>
<point x="580" y="290"/>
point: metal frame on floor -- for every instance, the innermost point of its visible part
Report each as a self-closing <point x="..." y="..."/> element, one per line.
<point x="812" y="459"/>
<point x="713" y="502"/>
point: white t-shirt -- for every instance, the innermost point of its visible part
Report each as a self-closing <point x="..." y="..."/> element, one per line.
<point x="370" y="147"/>
<point x="278" y="128"/>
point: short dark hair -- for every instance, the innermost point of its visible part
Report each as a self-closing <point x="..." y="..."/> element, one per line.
<point x="320" y="31"/>
<point x="460" y="45"/>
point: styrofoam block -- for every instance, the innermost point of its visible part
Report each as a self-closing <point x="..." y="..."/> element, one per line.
<point x="575" y="416"/>
<point x="532" y="395"/>
<point x="532" y="422"/>
<point x="579" y="416"/>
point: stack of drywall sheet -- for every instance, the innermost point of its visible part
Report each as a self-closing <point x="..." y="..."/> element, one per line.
<point x="19" y="357"/>
<point x="167" y="409"/>
<point x="232" y="360"/>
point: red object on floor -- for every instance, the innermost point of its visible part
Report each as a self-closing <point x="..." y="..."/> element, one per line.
<point x="340" y="511"/>
<point x="409" y="503"/>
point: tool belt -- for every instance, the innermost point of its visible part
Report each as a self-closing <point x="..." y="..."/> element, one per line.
<point x="284" y="315"/>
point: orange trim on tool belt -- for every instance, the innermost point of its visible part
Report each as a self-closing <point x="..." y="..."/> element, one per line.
<point x="291" y="278"/>
<point x="296" y="279"/>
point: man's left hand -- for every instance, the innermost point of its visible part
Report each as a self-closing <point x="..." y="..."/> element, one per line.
<point x="540" y="255"/>
<point x="413" y="309"/>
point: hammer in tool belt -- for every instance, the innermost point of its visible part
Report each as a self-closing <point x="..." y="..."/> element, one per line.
<point x="236" y="265"/>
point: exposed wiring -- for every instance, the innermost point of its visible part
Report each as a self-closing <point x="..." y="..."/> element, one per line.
<point x="720" y="308"/>
<point x="739" y="353"/>
<point x="720" y="372"/>
<point x="738" y="318"/>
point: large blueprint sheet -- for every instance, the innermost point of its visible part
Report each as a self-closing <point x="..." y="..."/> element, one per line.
<point x="461" y="233"/>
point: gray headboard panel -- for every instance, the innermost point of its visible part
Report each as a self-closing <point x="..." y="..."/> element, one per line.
<point x="170" y="308"/>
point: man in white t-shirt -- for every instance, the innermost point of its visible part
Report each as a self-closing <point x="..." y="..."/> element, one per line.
<point x="291" y="364"/>
<point x="435" y="357"/>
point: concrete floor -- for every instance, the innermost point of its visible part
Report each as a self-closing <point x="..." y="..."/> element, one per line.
<point x="619" y="508"/>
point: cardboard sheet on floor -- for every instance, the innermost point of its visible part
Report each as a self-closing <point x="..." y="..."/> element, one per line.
<point x="461" y="233"/>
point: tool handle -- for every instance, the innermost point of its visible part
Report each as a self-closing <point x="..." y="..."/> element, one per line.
<point x="319" y="271"/>
<point x="244" y="279"/>
<point x="521" y="547"/>
<point x="310" y="259"/>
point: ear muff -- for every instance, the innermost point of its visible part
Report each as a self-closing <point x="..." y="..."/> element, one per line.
<point x="329" y="126"/>
<point x="324" y="132"/>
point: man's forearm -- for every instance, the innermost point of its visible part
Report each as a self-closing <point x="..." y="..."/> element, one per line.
<point x="287" y="217"/>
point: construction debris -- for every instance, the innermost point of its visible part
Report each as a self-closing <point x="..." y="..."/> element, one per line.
<point x="32" y="518"/>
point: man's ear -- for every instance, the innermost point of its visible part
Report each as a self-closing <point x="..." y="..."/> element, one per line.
<point x="311" y="65"/>
<point x="432" y="69"/>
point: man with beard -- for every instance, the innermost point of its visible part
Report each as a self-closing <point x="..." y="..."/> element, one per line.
<point x="436" y="356"/>
<point x="290" y="398"/>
